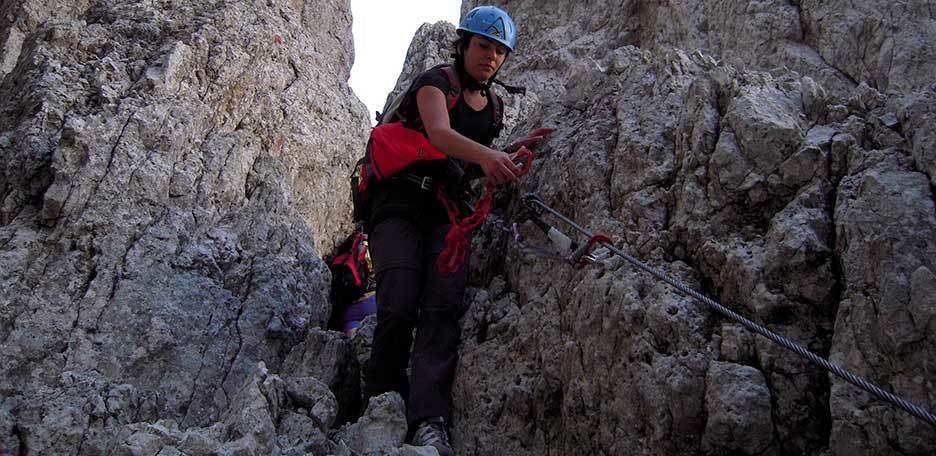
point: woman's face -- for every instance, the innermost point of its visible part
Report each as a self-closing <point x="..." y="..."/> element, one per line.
<point x="484" y="57"/>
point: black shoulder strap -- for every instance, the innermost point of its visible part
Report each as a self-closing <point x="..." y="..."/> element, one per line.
<point x="455" y="88"/>
<point x="498" y="113"/>
<point x="498" y="105"/>
<point x="394" y="111"/>
<point x="454" y="85"/>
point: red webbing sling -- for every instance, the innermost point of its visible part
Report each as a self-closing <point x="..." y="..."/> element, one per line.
<point x="456" y="241"/>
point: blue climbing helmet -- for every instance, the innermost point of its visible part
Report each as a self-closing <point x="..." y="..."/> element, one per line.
<point x="491" y="22"/>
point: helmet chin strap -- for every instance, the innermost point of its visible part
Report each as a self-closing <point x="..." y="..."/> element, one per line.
<point x="468" y="82"/>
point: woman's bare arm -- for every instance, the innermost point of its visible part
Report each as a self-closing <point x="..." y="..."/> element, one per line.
<point x="497" y="165"/>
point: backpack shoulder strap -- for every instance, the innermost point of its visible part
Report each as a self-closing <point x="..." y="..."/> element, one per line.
<point x="454" y="86"/>
<point x="498" y="112"/>
<point x="393" y="112"/>
<point x="498" y="107"/>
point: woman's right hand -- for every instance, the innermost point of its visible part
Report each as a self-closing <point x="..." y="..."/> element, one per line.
<point x="499" y="167"/>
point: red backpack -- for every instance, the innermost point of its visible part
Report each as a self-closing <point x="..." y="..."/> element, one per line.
<point x="351" y="274"/>
<point x="393" y="147"/>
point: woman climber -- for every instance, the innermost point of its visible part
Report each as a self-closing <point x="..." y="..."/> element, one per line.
<point x="456" y="109"/>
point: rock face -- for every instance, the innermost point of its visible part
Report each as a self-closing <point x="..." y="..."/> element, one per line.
<point x="170" y="174"/>
<point x="173" y="172"/>
<point x="431" y="46"/>
<point x="737" y="402"/>
<point x="270" y="415"/>
<point x="753" y="151"/>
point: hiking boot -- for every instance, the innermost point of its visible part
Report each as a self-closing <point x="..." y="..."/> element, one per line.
<point x="431" y="432"/>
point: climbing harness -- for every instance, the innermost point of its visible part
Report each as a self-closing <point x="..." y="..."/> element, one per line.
<point x="533" y="205"/>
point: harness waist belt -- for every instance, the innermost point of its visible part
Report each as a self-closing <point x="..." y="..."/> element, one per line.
<point x="424" y="182"/>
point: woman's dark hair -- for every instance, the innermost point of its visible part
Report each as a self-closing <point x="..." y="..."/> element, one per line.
<point x="460" y="45"/>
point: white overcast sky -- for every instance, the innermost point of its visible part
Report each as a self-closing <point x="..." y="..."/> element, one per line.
<point x="382" y="31"/>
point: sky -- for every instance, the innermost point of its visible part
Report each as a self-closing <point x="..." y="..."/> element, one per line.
<point x="382" y="32"/>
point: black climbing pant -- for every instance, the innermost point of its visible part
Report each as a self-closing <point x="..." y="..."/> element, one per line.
<point x="412" y="293"/>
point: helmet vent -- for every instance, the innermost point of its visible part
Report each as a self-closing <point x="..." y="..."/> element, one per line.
<point x="497" y="28"/>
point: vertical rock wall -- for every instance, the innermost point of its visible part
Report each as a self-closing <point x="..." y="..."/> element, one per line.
<point x="171" y="172"/>
<point x="773" y="155"/>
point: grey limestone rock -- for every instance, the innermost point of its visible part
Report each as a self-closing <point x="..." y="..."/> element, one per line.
<point x="885" y="316"/>
<point x="380" y="430"/>
<point x="737" y="402"/>
<point x="409" y="450"/>
<point x="311" y="394"/>
<point x="362" y="341"/>
<point x="329" y="357"/>
<point x="739" y="146"/>
<point x="917" y="112"/>
<point x="260" y="421"/>
<point x="431" y="46"/>
<point x="171" y="173"/>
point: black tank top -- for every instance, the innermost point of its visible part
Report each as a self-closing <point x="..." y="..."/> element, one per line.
<point x="479" y="126"/>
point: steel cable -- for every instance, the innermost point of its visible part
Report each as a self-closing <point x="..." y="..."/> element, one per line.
<point x="856" y="380"/>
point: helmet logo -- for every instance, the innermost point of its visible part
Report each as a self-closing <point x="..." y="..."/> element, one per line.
<point x="497" y="28"/>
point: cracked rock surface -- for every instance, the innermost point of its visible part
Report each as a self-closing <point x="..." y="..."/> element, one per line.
<point x="751" y="150"/>
<point x="171" y="173"/>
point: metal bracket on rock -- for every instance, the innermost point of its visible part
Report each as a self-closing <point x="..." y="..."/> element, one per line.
<point x="579" y="256"/>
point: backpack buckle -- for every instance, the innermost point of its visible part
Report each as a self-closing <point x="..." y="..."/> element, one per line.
<point x="426" y="183"/>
